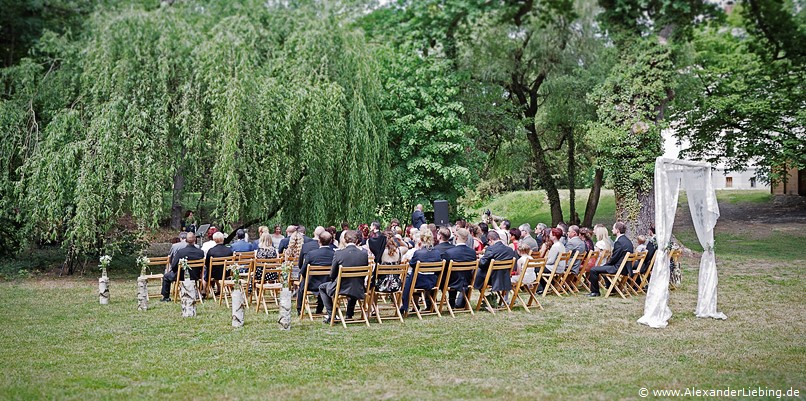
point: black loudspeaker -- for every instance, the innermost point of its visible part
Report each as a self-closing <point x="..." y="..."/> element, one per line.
<point x="441" y="213"/>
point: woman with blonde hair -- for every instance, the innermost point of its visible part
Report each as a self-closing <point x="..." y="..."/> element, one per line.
<point x="425" y="281"/>
<point x="292" y="252"/>
<point x="603" y="242"/>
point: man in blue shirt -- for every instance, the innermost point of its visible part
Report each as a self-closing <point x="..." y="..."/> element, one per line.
<point x="240" y="245"/>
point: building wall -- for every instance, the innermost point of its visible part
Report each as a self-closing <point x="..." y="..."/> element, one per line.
<point x="737" y="179"/>
<point x="793" y="184"/>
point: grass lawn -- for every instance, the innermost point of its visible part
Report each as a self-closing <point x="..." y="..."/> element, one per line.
<point x="58" y="343"/>
<point x="533" y="207"/>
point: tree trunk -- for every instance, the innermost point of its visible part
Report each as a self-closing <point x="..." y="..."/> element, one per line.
<point x="238" y="306"/>
<point x="187" y="295"/>
<point x="176" y="198"/>
<point x="544" y="176"/>
<point x="142" y="293"/>
<point x="573" y="217"/>
<point x="593" y="197"/>
<point x="639" y="223"/>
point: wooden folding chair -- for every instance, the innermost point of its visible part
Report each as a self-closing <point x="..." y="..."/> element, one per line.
<point x="364" y="272"/>
<point x="604" y="256"/>
<point x="160" y="263"/>
<point x="214" y="263"/>
<point x="495" y="265"/>
<point x="430" y="294"/>
<point x="293" y="282"/>
<point x="458" y="267"/>
<point x="582" y="277"/>
<point x="618" y="281"/>
<point x="632" y="280"/>
<point x="228" y="284"/>
<point x="538" y="265"/>
<point x="247" y="262"/>
<point x="395" y="297"/>
<point x="552" y="278"/>
<point x="267" y="266"/>
<point x="313" y="271"/>
<point x="194" y="266"/>
<point x="567" y="282"/>
<point x="674" y="257"/>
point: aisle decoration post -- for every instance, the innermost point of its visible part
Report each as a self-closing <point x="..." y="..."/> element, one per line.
<point x="285" y="298"/>
<point x="103" y="282"/>
<point x="187" y="291"/>
<point x="238" y="298"/>
<point x="142" y="284"/>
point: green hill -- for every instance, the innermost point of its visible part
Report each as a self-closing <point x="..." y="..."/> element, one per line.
<point x="533" y="207"/>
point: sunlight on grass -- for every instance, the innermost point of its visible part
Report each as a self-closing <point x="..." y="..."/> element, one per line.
<point x="532" y="207"/>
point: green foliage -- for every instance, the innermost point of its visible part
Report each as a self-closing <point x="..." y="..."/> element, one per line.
<point x="745" y="102"/>
<point x="532" y="207"/>
<point x="426" y="135"/>
<point x="261" y="108"/>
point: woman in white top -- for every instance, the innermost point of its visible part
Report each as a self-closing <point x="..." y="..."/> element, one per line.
<point x="556" y="249"/>
<point x="277" y="237"/>
<point x="529" y="278"/>
<point x="603" y="242"/>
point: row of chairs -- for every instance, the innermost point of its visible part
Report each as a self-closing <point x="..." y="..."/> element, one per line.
<point x="263" y="289"/>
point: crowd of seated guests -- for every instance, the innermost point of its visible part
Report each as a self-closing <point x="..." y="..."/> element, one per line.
<point x="419" y="241"/>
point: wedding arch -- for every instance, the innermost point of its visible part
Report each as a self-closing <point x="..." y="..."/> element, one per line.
<point x="695" y="179"/>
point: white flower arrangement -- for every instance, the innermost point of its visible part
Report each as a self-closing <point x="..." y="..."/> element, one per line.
<point x="105" y="261"/>
<point x="143" y="262"/>
<point x="184" y="264"/>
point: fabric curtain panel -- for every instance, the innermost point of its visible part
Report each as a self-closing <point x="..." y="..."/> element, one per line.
<point x="696" y="180"/>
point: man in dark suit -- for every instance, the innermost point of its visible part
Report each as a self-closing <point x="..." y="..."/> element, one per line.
<point x="621" y="248"/>
<point x="460" y="280"/>
<point x="444" y="238"/>
<point x="284" y="242"/>
<point x="305" y="239"/>
<point x="353" y="287"/>
<point x="496" y="250"/>
<point x="310" y="245"/>
<point x="376" y="241"/>
<point x="218" y="251"/>
<point x="190" y="252"/>
<point x="418" y="217"/>
<point x="321" y="256"/>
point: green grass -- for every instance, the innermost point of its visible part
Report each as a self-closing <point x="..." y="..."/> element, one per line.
<point x="532" y="207"/>
<point x="60" y="344"/>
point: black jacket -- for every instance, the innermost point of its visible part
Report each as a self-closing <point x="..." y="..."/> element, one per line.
<point x="459" y="253"/>
<point x="307" y="247"/>
<point x="376" y="245"/>
<point x="417" y="219"/>
<point x="621" y="247"/>
<point x="499" y="280"/>
<point x="191" y="253"/>
<point x="348" y="257"/>
<point x="322" y="256"/>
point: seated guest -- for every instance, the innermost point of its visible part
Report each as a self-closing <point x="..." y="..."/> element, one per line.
<point x="392" y="253"/>
<point x="515" y="237"/>
<point x="177" y="246"/>
<point x="189" y="252"/>
<point x="546" y="242"/>
<point x="475" y="232"/>
<point x="621" y="248"/>
<point x="651" y="247"/>
<point x="306" y="239"/>
<point x="425" y="281"/>
<point x="415" y="247"/>
<point x="525" y="251"/>
<point x="564" y="227"/>
<point x="503" y="231"/>
<point x="260" y="231"/>
<point x="459" y="280"/>
<point x="376" y="241"/>
<point x="641" y="243"/>
<point x="332" y="231"/>
<point x="344" y="227"/>
<point x="290" y="230"/>
<point x="557" y="248"/>
<point x="240" y="244"/>
<point x="265" y="250"/>
<point x="585" y="234"/>
<point x="483" y="234"/>
<point x="444" y="238"/>
<point x="310" y="245"/>
<point x="210" y="243"/>
<point x="276" y="236"/>
<point x="526" y="237"/>
<point x="321" y="256"/>
<point x="410" y="241"/>
<point x="218" y="251"/>
<point x="497" y="250"/>
<point x="296" y="241"/>
<point x="575" y="244"/>
<point x="354" y="288"/>
<point x="540" y="229"/>
<point x="603" y="242"/>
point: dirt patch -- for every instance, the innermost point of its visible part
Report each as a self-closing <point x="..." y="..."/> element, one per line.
<point x="783" y="209"/>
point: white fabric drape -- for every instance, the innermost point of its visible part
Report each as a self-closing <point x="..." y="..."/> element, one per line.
<point x="696" y="179"/>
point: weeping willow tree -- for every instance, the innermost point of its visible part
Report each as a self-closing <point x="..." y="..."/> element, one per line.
<point x="262" y="108"/>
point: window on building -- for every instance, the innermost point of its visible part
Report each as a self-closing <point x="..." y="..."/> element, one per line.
<point x="728" y="182"/>
<point x="752" y="182"/>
